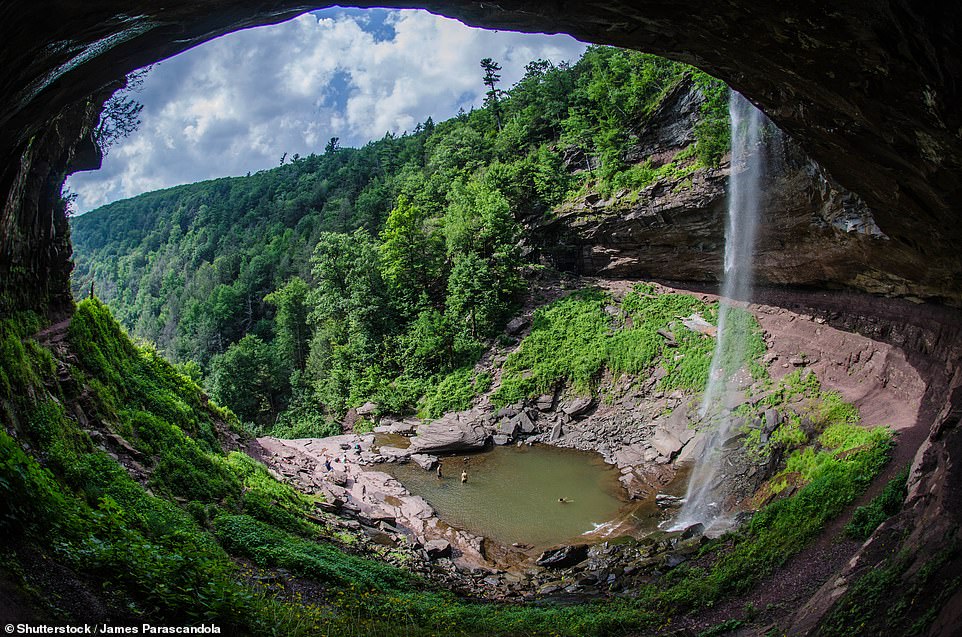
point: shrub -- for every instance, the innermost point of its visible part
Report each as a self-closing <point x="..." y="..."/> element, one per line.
<point x="867" y="518"/>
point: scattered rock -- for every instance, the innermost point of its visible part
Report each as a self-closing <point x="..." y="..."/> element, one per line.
<point x="544" y="402"/>
<point x="669" y="338"/>
<point x="556" y="432"/>
<point x="500" y="439"/>
<point x="510" y="411"/>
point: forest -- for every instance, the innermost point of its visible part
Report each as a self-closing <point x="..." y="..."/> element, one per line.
<point x="379" y="273"/>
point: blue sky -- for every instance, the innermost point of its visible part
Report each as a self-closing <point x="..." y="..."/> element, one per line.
<point x="238" y="103"/>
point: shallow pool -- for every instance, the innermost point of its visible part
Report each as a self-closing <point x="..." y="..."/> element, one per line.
<point x="512" y="493"/>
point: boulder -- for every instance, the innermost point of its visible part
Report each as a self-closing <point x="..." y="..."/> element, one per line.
<point x="556" y="432"/>
<point x="397" y="427"/>
<point x="697" y="324"/>
<point x="509" y="426"/>
<point x="772" y="420"/>
<point x="579" y="406"/>
<point x="394" y="453"/>
<point x="500" y="439"/>
<point x="693" y="531"/>
<point x="665" y="501"/>
<point x="564" y="557"/>
<point x="366" y="409"/>
<point x="424" y="460"/>
<point x="527" y="424"/>
<point x="509" y="411"/>
<point x="454" y="432"/>
<point x="666" y="443"/>
<point x="437" y="549"/>
<point x="515" y="325"/>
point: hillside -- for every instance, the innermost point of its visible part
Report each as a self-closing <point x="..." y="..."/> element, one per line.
<point x="373" y="273"/>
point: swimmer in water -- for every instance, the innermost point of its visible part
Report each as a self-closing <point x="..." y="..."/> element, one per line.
<point x="564" y="500"/>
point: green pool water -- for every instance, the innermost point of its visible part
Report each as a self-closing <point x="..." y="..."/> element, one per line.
<point x="512" y="493"/>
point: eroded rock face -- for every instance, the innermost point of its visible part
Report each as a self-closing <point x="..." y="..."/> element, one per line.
<point x="813" y="232"/>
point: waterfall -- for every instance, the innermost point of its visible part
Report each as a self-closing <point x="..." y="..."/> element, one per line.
<point x="729" y="365"/>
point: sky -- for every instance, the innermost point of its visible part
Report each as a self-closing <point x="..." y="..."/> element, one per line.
<point x="238" y="103"/>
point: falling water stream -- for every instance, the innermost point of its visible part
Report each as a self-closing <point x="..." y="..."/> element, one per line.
<point x="728" y="373"/>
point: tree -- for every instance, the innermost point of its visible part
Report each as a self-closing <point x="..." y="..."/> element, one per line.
<point x="243" y="377"/>
<point x="411" y="256"/>
<point x="290" y="323"/>
<point x="491" y="78"/>
<point x="121" y="113"/>
<point x="351" y="313"/>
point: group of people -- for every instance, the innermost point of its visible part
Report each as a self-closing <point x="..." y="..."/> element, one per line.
<point x="464" y="474"/>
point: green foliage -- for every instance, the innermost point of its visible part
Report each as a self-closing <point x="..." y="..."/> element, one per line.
<point x="412" y="256"/>
<point x="713" y="130"/>
<point x="566" y="344"/>
<point x="20" y="354"/>
<point x="245" y="377"/>
<point x="243" y="535"/>
<point x="454" y="392"/>
<point x="572" y="340"/>
<point x="159" y="561"/>
<point x="867" y="518"/>
<point x="293" y="334"/>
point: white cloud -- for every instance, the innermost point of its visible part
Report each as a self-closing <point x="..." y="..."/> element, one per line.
<point x="236" y="104"/>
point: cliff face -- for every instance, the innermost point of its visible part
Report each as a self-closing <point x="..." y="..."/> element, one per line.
<point x="870" y="91"/>
<point x="813" y="233"/>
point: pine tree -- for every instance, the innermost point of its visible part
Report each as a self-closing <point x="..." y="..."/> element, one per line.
<point x="491" y="79"/>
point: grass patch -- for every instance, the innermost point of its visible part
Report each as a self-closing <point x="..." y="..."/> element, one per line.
<point x="886" y="504"/>
<point x="454" y="392"/>
<point x="575" y="338"/>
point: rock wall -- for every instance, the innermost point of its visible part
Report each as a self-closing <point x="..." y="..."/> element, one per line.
<point x="813" y="233"/>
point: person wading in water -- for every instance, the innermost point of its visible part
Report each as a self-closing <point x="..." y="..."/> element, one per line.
<point x="464" y="476"/>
